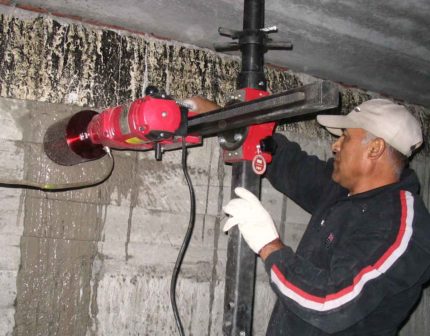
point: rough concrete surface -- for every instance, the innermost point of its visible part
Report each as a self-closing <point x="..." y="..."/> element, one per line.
<point x="380" y="46"/>
<point x="98" y="261"/>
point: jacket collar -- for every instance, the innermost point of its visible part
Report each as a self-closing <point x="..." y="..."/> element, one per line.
<point x="408" y="181"/>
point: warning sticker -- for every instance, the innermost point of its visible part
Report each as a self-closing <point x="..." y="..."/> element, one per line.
<point x="259" y="164"/>
<point x="134" y="141"/>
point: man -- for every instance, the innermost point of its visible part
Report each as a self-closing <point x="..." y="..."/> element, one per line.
<point x="365" y="255"/>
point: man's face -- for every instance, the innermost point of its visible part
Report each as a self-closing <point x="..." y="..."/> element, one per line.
<point x="350" y="152"/>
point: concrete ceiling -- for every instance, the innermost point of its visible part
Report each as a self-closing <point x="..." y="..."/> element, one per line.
<point x="382" y="46"/>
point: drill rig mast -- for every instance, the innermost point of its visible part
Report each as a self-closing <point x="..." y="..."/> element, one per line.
<point x="161" y="123"/>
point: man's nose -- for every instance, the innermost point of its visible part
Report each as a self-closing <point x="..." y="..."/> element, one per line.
<point x="335" y="147"/>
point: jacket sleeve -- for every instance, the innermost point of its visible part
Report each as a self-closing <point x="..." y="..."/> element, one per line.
<point x="300" y="176"/>
<point x="365" y="269"/>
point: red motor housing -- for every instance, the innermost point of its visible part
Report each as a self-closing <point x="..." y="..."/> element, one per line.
<point x="144" y="124"/>
<point x="136" y="125"/>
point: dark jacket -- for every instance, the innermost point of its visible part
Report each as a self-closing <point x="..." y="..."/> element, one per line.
<point x="362" y="262"/>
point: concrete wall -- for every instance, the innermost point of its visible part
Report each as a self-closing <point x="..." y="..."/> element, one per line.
<point x="98" y="261"/>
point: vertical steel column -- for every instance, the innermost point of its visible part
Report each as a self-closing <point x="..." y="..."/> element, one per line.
<point x="252" y="46"/>
<point x="241" y="260"/>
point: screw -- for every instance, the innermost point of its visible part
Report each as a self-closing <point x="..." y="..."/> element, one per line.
<point x="222" y="141"/>
<point x="272" y="29"/>
<point x="238" y="137"/>
<point x="164" y="114"/>
<point x="242" y="333"/>
<point x="141" y="128"/>
<point x="261" y="83"/>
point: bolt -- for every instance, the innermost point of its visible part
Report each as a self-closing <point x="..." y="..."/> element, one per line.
<point x="161" y="135"/>
<point x="222" y="141"/>
<point x="242" y="333"/>
<point x="83" y="136"/>
<point x="272" y="29"/>
<point x="164" y="114"/>
<point x="261" y="83"/>
<point x="141" y="128"/>
<point x="238" y="137"/>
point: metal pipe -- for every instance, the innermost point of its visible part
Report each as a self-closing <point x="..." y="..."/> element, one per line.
<point x="241" y="264"/>
<point x="241" y="260"/>
<point x="252" y="46"/>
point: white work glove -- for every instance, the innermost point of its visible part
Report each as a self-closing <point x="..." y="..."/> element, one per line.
<point x="254" y="222"/>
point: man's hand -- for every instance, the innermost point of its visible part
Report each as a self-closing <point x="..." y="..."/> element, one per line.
<point x="254" y="222"/>
<point x="200" y="105"/>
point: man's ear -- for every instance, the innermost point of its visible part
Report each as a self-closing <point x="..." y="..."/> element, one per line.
<point x="376" y="148"/>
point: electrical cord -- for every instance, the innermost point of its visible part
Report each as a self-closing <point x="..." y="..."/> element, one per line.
<point x="78" y="185"/>
<point x="62" y="186"/>
<point x="186" y="241"/>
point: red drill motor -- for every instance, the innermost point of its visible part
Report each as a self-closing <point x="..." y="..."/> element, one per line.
<point x="153" y="122"/>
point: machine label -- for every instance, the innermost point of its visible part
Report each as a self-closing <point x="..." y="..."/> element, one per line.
<point x="134" y="141"/>
<point x="123" y="119"/>
<point x="259" y="164"/>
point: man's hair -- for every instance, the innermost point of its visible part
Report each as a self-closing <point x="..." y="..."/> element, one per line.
<point x="398" y="159"/>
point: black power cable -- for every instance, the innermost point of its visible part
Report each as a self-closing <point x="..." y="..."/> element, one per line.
<point x="63" y="186"/>
<point x="186" y="241"/>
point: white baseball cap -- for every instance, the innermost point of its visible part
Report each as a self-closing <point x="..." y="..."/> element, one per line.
<point x="384" y="119"/>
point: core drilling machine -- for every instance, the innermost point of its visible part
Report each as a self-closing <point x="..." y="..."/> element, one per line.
<point x="159" y="122"/>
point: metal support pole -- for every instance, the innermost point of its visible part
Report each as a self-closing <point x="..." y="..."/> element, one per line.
<point x="252" y="46"/>
<point x="241" y="260"/>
